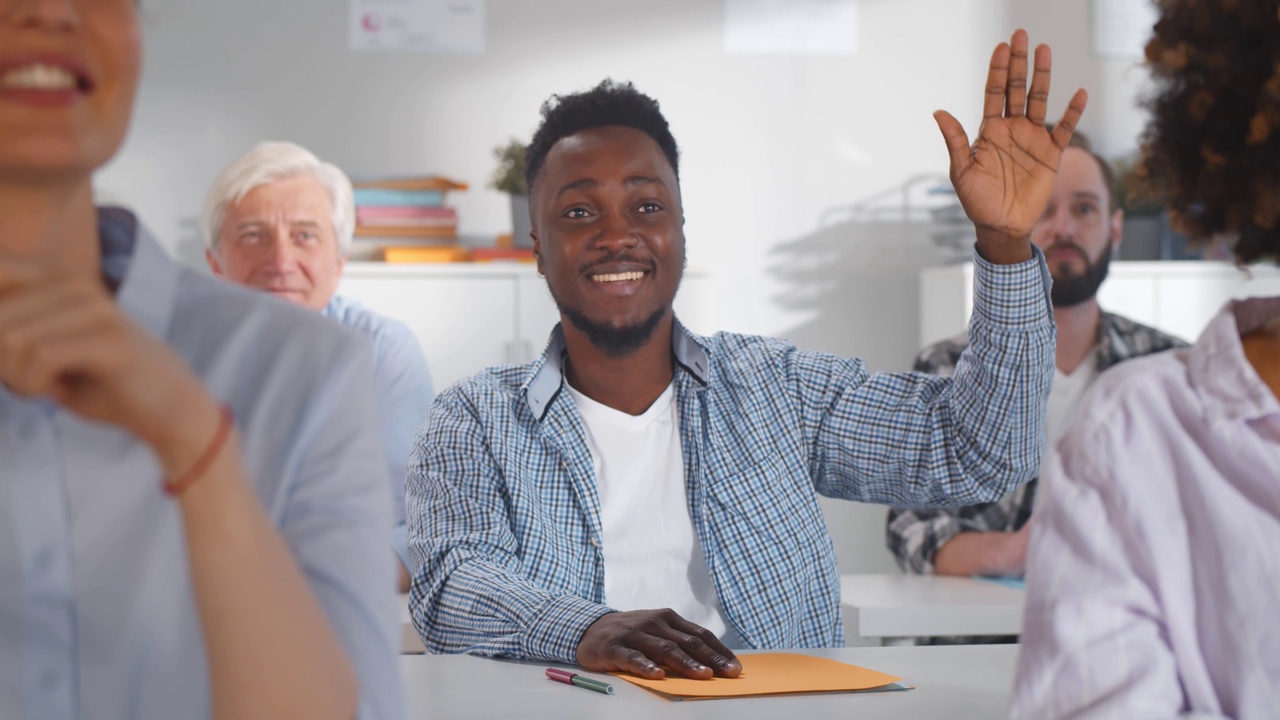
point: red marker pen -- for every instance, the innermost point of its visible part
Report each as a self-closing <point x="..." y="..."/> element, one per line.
<point x="569" y="678"/>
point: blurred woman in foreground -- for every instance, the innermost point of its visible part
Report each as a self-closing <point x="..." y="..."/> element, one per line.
<point x="1154" y="577"/>
<point x="192" y="504"/>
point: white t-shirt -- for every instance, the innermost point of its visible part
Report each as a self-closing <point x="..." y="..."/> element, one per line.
<point x="1065" y="397"/>
<point x="652" y="557"/>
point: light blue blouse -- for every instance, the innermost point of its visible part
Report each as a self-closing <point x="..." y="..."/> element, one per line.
<point x="97" y="613"/>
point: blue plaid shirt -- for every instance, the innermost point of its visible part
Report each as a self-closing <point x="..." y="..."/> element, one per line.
<point x="505" y="518"/>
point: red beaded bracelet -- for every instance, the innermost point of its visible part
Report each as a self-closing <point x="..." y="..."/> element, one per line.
<point x="174" y="488"/>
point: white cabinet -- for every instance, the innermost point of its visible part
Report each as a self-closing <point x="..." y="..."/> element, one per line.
<point x="470" y="316"/>
<point x="1177" y="297"/>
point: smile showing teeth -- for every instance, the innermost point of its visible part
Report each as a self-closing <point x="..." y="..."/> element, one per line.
<point x="38" y="77"/>
<point x="617" y="277"/>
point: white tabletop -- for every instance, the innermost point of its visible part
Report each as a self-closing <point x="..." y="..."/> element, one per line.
<point x="902" y="606"/>
<point x="889" y="607"/>
<point x="952" y="682"/>
<point x="410" y="641"/>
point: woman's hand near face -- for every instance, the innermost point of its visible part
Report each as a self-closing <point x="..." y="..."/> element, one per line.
<point x="64" y="338"/>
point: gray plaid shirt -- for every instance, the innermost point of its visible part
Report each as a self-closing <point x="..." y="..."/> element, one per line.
<point x="914" y="536"/>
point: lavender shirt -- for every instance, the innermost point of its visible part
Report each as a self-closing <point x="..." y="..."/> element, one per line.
<point x="1154" y="565"/>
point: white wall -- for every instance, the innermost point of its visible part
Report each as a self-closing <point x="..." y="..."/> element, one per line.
<point x="775" y="149"/>
<point x="1113" y="119"/>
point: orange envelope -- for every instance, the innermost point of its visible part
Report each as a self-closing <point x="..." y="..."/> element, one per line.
<point x="773" y="674"/>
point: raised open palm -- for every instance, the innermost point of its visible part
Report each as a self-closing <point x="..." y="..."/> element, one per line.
<point x="1005" y="177"/>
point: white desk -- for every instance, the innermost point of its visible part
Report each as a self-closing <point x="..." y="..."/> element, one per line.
<point x="889" y="608"/>
<point x="410" y="642"/>
<point x="894" y="608"/>
<point x="953" y="682"/>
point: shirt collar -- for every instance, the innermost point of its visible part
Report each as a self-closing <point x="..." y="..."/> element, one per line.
<point x="133" y="262"/>
<point x="1109" y="342"/>
<point x="546" y="376"/>
<point x="1227" y="384"/>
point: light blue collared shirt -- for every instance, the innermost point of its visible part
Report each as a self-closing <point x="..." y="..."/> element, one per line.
<point x="97" y="612"/>
<point x="403" y="397"/>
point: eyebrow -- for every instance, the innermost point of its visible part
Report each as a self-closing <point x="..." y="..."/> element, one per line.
<point x="262" y="223"/>
<point x="1087" y="194"/>
<point x="589" y="183"/>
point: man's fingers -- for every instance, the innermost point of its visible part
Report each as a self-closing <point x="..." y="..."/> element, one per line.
<point x="1066" y="127"/>
<point x="957" y="141"/>
<point x="1016" y="93"/>
<point x="1038" y="98"/>
<point x="997" y="80"/>
<point x="635" y="662"/>
<point x="669" y="653"/>
<point x="704" y="646"/>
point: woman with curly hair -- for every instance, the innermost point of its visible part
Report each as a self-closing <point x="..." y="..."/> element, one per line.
<point x="1153" y="568"/>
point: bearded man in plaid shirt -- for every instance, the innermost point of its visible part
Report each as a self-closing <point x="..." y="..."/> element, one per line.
<point x="1080" y="229"/>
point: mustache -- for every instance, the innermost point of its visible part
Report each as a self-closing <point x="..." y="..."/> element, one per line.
<point x="620" y="258"/>
<point x="1069" y="246"/>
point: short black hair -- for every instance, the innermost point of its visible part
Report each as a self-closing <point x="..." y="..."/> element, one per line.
<point x="607" y="104"/>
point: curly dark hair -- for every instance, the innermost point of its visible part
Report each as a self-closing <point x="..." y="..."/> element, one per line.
<point x="1212" y="148"/>
<point x="609" y="103"/>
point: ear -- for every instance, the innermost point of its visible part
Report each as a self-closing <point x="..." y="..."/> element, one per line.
<point x="537" y="250"/>
<point x="1117" y="229"/>
<point x="212" y="259"/>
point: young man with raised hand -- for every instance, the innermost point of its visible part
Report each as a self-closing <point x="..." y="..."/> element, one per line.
<point x="554" y="507"/>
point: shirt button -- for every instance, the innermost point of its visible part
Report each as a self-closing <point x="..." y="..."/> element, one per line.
<point x="595" y="542"/>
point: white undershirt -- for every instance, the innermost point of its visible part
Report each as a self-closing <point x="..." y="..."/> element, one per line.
<point x="1065" y="397"/>
<point x="652" y="557"/>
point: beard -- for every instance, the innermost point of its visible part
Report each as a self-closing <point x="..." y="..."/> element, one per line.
<point x="614" y="341"/>
<point x="1071" y="290"/>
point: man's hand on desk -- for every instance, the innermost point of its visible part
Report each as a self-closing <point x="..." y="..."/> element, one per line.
<point x="644" y="641"/>
<point x="984" y="553"/>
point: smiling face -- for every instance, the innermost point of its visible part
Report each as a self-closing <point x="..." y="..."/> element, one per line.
<point x="280" y="238"/>
<point x="1079" y="229"/>
<point x="68" y="75"/>
<point x="609" y="234"/>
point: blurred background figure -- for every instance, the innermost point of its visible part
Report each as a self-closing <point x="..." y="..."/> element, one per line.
<point x="279" y="220"/>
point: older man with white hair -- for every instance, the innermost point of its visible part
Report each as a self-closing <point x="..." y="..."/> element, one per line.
<point x="280" y="220"/>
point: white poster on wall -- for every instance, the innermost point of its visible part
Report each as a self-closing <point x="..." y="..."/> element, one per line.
<point x="434" y="27"/>
<point x="791" y="27"/>
<point x="1121" y="28"/>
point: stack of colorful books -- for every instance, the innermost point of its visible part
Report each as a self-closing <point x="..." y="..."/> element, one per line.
<point x="407" y="220"/>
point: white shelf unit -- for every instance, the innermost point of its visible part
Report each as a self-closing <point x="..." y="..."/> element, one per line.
<point x="1177" y="297"/>
<point x="468" y="316"/>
